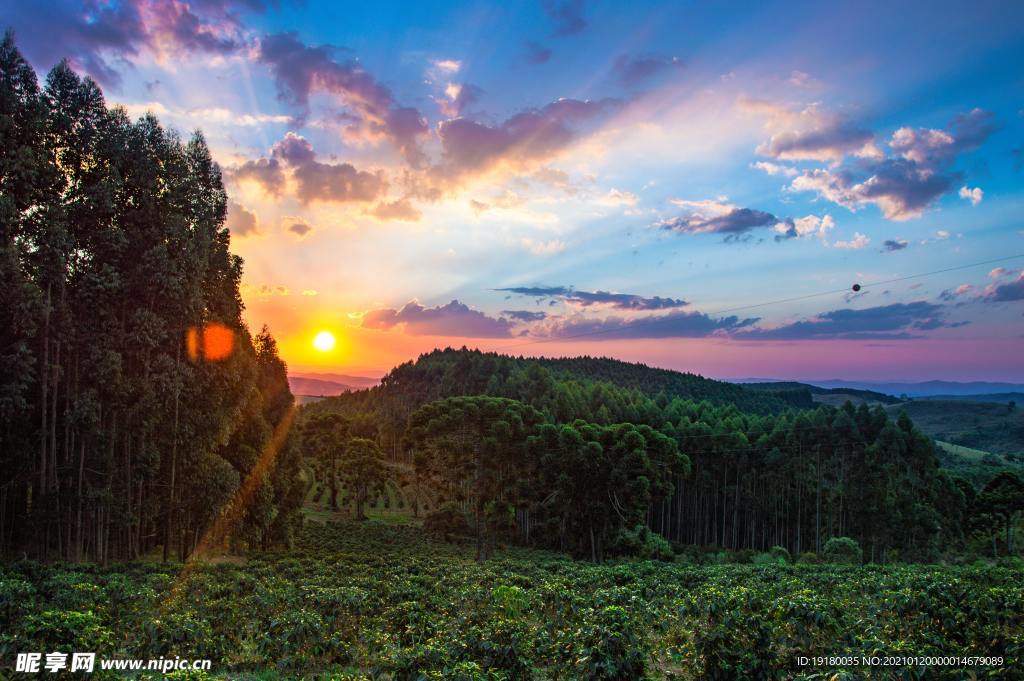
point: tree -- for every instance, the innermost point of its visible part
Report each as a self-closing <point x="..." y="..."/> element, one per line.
<point x="477" y="452"/>
<point x="364" y="472"/>
<point x="325" y="436"/>
<point x="1002" y="500"/>
<point x="843" y="550"/>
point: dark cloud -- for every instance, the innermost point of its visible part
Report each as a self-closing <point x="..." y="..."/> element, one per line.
<point x="453" y="319"/>
<point x="566" y="16"/>
<point x="265" y="171"/>
<point x="538" y="291"/>
<point x="524" y="315"/>
<point x="736" y="221"/>
<point x="672" y="325"/>
<point x="241" y="221"/>
<point x="300" y="70"/>
<point x="891" y="245"/>
<point x="528" y="137"/>
<point x="1012" y="291"/>
<point x="633" y="71"/>
<point x="300" y="228"/>
<point x="99" y="38"/>
<point x="537" y="53"/>
<point x="896" y="321"/>
<point x="315" y="181"/>
<point x="620" y="301"/>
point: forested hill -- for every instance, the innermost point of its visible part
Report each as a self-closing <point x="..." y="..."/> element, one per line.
<point x="450" y="372"/>
<point x="586" y="463"/>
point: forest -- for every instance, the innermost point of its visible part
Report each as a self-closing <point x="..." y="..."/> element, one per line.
<point x="134" y="402"/>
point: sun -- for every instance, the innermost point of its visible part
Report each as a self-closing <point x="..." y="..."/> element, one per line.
<point x="324" y="341"/>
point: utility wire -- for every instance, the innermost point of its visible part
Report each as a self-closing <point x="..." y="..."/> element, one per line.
<point x="665" y="318"/>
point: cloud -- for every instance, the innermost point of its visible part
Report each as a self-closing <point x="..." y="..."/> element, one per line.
<point x="98" y="38"/>
<point x="396" y="210"/>
<point x="810" y="225"/>
<point x="309" y="292"/>
<point x="527" y="138"/>
<point x="774" y="168"/>
<point x="524" y="315"/>
<point x="453" y="319"/>
<point x="314" y="181"/>
<point x="566" y="16"/>
<point x="448" y="66"/>
<point x="1003" y="293"/>
<point x="537" y="53"/>
<point x="857" y="242"/>
<point x="267" y="172"/>
<point x="997" y="272"/>
<point x="890" y="245"/>
<point x="621" y="301"/>
<point x="800" y="79"/>
<point x="904" y="185"/>
<point x="299" y="227"/>
<point x="808" y="134"/>
<point x="616" y="197"/>
<point x="716" y="217"/>
<point x="895" y="321"/>
<point x="930" y="147"/>
<point x="459" y="99"/>
<point x="300" y="71"/>
<point x="679" y="324"/>
<point x="543" y="248"/>
<point x="241" y="221"/>
<point x="952" y="294"/>
<point x="265" y="290"/>
<point x="973" y="195"/>
<point x="634" y="71"/>
<point x="899" y="187"/>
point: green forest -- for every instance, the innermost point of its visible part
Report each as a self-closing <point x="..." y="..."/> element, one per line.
<point x="475" y="516"/>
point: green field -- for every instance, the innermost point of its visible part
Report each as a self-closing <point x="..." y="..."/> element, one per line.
<point x="376" y="601"/>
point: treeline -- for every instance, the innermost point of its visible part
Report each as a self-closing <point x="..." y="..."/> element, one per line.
<point x="791" y="478"/>
<point x="118" y="430"/>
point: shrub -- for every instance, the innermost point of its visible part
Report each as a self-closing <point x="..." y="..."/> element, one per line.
<point x="843" y="550"/>
<point x="781" y="553"/>
<point x="446" y="522"/>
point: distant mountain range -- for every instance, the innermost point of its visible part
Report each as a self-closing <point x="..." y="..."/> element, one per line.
<point x="924" y="389"/>
<point x="328" y="384"/>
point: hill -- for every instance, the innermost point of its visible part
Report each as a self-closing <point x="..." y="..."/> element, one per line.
<point x="831" y="396"/>
<point x="590" y="455"/>
<point x="985" y="426"/>
<point x="927" y="388"/>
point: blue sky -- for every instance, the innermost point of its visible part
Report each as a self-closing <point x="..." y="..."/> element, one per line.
<point x="651" y="166"/>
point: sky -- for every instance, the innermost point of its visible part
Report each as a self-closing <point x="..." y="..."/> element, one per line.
<point x="696" y="186"/>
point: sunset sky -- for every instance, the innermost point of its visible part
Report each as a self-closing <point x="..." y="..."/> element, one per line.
<point x="569" y="178"/>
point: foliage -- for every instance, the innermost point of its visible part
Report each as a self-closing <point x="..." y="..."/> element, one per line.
<point x="367" y="600"/>
<point x="114" y="261"/>
<point x="843" y="550"/>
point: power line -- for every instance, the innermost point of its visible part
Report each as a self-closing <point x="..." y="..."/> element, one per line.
<point x="666" y="318"/>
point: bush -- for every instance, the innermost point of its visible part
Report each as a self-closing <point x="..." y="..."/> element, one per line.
<point x="781" y="553"/>
<point x="809" y="558"/>
<point x="843" y="550"/>
<point x="447" y="522"/>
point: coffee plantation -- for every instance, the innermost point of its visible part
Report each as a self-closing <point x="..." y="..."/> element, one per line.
<point x="385" y="601"/>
